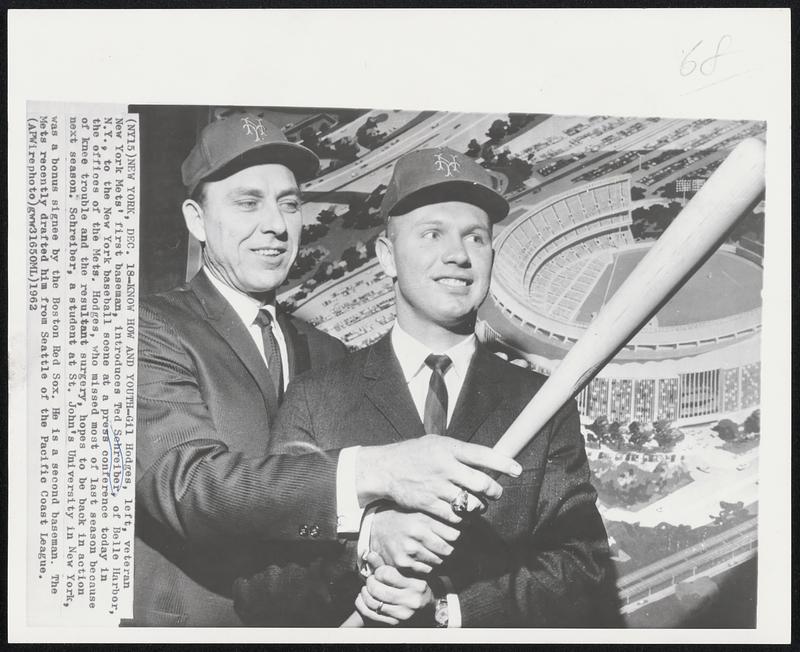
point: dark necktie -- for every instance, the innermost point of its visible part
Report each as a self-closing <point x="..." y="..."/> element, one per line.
<point x="271" y="351"/>
<point x="435" y="420"/>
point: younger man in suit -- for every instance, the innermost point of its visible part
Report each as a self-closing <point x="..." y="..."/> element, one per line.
<point x="536" y="558"/>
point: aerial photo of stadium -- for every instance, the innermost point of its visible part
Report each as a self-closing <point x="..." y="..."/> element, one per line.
<point x="672" y="423"/>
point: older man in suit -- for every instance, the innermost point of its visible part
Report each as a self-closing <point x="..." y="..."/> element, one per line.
<point x="214" y="360"/>
<point x="536" y="558"/>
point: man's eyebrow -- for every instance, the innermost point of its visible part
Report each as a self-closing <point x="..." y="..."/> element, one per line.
<point x="470" y="228"/>
<point x="431" y="221"/>
<point x="246" y="191"/>
<point x="289" y="192"/>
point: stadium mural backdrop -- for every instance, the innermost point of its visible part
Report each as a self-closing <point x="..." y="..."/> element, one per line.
<point x="671" y="424"/>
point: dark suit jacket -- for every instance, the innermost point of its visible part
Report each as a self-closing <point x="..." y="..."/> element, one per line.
<point x="537" y="558"/>
<point x="206" y="496"/>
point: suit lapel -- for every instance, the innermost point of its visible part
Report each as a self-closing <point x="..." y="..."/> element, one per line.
<point x="480" y="396"/>
<point x="226" y="322"/>
<point x="387" y="390"/>
<point x="298" y="353"/>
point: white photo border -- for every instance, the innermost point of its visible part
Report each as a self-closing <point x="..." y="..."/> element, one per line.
<point x="629" y="62"/>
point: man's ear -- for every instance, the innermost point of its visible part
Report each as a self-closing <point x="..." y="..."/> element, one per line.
<point x="384" y="250"/>
<point x="193" y="216"/>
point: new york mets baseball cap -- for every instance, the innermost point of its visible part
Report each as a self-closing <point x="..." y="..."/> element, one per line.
<point x="430" y="176"/>
<point x="235" y="142"/>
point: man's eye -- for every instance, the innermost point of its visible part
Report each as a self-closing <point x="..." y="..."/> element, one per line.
<point x="475" y="238"/>
<point x="247" y="204"/>
<point x="290" y="206"/>
<point x="430" y="235"/>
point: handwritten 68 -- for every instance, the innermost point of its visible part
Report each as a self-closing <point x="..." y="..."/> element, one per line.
<point x="708" y="65"/>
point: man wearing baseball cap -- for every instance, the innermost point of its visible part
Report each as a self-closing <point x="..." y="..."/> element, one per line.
<point x="215" y="358"/>
<point x="536" y="558"/>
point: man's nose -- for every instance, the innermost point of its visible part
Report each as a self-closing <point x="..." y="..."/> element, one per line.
<point x="455" y="252"/>
<point x="271" y="220"/>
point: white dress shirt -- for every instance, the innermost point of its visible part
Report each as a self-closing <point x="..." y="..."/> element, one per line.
<point x="348" y="511"/>
<point x="411" y="355"/>
<point x="248" y="308"/>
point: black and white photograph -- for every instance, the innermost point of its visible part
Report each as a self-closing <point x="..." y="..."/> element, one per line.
<point x="398" y="367"/>
<point x="666" y="434"/>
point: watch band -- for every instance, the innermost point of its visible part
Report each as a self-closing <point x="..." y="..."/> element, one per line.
<point x="441" y="613"/>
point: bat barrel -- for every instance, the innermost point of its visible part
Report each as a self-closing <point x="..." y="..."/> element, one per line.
<point x="692" y="236"/>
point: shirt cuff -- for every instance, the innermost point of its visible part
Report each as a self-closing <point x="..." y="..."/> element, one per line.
<point x="362" y="547"/>
<point x="453" y="610"/>
<point x="348" y="511"/>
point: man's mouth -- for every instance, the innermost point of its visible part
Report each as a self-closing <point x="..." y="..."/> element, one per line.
<point x="453" y="282"/>
<point x="269" y="252"/>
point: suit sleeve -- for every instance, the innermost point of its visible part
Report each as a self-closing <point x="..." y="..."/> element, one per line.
<point x="557" y="574"/>
<point x="313" y="585"/>
<point x="293" y="431"/>
<point x="192" y="484"/>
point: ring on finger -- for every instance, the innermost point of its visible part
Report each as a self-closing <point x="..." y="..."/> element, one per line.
<point x="380" y="608"/>
<point x="459" y="503"/>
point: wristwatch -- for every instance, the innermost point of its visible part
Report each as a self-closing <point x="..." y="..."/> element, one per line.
<point x="441" y="613"/>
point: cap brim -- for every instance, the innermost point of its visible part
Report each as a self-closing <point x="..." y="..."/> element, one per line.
<point x="303" y="163"/>
<point x="471" y="192"/>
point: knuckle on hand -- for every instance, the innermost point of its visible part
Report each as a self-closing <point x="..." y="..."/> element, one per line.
<point x="434" y="557"/>
<point x="427" y="502"/>
<point x="410" y="548"/>
<point x="447" y="515"/>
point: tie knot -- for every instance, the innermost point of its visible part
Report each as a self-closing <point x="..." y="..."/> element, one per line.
<point x="440" y="363"/>
<point x="263" y="318"/>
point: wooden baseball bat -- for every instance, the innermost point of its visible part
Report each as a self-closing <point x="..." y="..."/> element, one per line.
<point x="691" y="238"/>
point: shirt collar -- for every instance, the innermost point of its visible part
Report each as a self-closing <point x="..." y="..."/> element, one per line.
<point x="411" y="353"/>
<point x="243" y="304"/>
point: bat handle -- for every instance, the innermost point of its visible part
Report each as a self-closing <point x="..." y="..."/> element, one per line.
<point x="353" y="620"/>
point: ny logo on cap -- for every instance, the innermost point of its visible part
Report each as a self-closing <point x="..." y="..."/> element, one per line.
<point x="449" y="167"/>
<point x="254" y="128"/>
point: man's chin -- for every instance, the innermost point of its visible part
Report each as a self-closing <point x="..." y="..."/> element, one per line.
<point x="268" y="282"/>
<point x="460" y="322"/>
